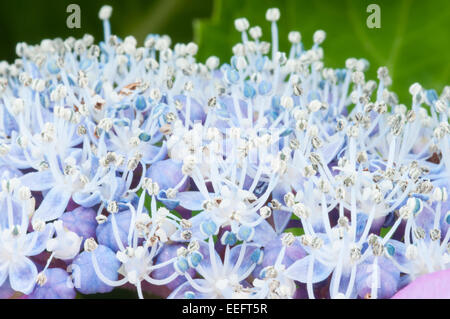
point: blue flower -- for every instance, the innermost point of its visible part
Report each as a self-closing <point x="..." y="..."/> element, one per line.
<point x="17" y="245"/>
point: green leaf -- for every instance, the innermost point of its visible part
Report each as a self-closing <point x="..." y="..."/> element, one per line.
<point x="412" y="41"/>
<point x="384" y="231"/>
<point x="295" y="231"/>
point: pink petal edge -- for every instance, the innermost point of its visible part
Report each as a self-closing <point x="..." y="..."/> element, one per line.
<point x="430" y="286"/>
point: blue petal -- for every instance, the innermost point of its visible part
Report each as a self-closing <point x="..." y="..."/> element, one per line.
<point x="53" y="205"/>
<point x="57" y="286"/>
<point x="197" y="110"/>
<point x="39" y="243"/>
<point x="166" y="173"/>
<point x="152" y="154"/>
<point x="299" y="270"/>
<point x="105" y="234"/>
<point x="84" y="274"/>
<point x="191" y="200"/>
<point x="264" y="233"/>
<point x="22" y="275"/>
<point x="361" y="221"/>
<point x="87" y="199"/>
<point x="38" y="181"/>
<point x="281" y="219"/>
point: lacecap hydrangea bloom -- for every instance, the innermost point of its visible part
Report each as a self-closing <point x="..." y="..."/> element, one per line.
<point x="269" y="176"/>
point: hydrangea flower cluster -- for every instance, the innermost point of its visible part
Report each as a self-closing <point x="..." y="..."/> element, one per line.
<point x="270" y="176"/>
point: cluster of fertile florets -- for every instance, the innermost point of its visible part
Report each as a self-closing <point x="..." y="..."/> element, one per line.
<point x="270" y="176"/>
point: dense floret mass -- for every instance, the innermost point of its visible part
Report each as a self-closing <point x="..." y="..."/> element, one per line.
<point x="271" y="176"/>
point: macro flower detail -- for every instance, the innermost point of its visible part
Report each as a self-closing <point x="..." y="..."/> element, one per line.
<point x="266" y="176"/>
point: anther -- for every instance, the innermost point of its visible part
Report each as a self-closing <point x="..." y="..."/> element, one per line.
<point x="101" y="219"/>
<point x="287" y="239"/>
<point x="113" y="207"/>
<point x="435" y="234"/>
<point x="273" y="14"/>
<point x="90" y="245"/>
<point x="41" y="279"/>
<point x="105" y="12"/>
<point x="265" y="212"/>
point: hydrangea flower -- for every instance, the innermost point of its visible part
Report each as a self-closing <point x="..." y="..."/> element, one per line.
<point x="267" y="176"/>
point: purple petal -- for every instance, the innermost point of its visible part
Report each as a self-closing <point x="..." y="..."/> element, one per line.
<point x="81" y="221"/>
<point x="167" y="174"/>
<point x="196" y="110"/>
<point x="389" y="277"/>
<point x="6" y="291"/>
<point x="281" y="218"/>
<point x="57" y="286"/>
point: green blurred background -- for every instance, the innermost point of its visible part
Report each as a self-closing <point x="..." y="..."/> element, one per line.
<point x="33" y="20"/>
<point x="413" y="40"/>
